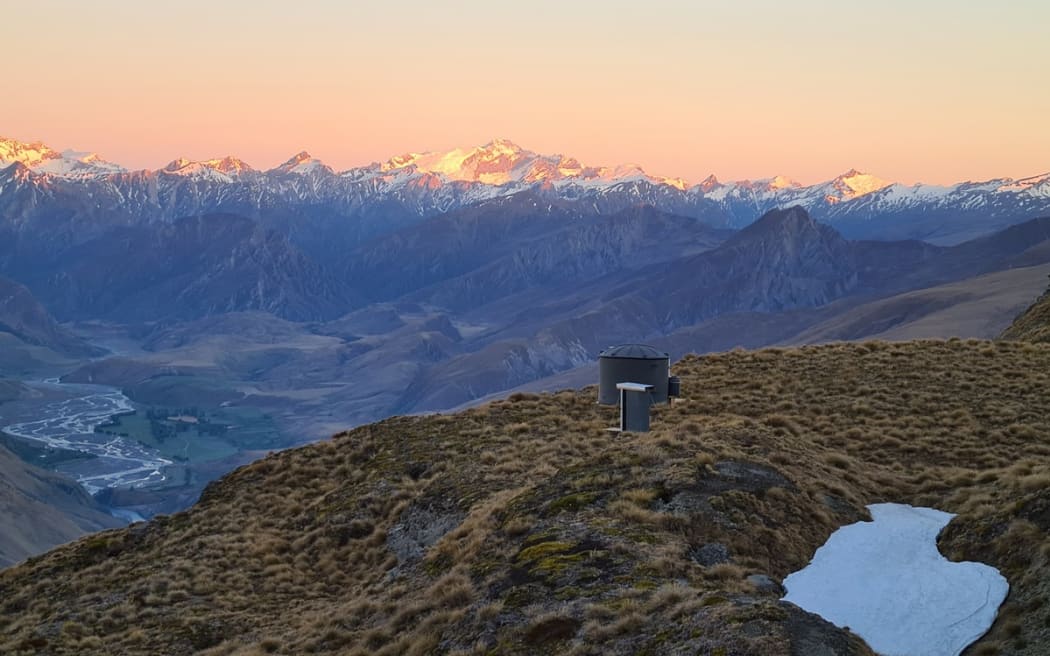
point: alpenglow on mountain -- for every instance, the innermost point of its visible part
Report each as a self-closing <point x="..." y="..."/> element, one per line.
<point x="36" y="180"/>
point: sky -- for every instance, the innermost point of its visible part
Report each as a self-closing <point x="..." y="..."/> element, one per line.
<point x="921" y="90"/>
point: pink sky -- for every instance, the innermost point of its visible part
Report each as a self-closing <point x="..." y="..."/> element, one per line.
<point x="936" y="91"/>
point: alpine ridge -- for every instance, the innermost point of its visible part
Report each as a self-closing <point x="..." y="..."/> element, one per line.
<point x="417" y="185"/>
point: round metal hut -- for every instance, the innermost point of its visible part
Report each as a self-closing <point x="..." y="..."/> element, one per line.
<point x="632" y="363"/>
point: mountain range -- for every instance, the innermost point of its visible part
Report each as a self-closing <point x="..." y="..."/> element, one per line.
<point x="317" y="244"/>
<point x="314" y="204"/>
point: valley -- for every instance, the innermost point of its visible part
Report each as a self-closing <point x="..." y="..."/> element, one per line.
<point x="66" y="420"/>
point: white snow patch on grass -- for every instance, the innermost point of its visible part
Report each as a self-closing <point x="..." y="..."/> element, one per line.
<point x="889" y="584"/>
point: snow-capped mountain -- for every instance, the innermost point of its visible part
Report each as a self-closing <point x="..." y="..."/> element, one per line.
<point x="501" y="162"/>
<point x="743" y="200"/>
<point x="44" y="160"/>
<point x="304" y="164"/>
<point x="1036" y="186"/>
<point x="224" y="169"/>
<point x="303" y="194"/>
<point x="29" y="154"/>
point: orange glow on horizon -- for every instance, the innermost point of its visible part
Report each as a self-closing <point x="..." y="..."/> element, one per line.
<point x="936" y="93"/>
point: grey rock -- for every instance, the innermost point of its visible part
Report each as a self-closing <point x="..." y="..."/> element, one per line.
<point x="712" y="553"/>
<point x="764" y="583"/>
<point x="811" y="635"/>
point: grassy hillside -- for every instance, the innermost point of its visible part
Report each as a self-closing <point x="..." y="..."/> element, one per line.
<point x="524" y="526"/>
<point x="1033" y="324"/>
<point x="40" y="509"/>
<point x="11" y="390"/>
<point x="980" y="307"/>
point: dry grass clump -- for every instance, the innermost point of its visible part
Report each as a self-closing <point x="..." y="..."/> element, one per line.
<point x="523" y="526"/>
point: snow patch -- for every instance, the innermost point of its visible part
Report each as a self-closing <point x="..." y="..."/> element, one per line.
<point x="889" y="584"/>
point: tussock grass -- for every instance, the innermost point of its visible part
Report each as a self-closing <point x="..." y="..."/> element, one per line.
<point x="538" y="531"/>
<point x="1033" y="325"/>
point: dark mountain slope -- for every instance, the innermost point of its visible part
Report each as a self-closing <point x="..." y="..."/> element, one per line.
<point x="586" y="250"/>
<point x="194" y="267"/>
<point x="524" y="527"/>
<point x="40" y="509"/>
<point x="11" y="390"/>
<point x="1020" y="245"/>
<point x="980" y="306"/>
<point x="24" y="317"/>
<point x="453" y="244"/>
<point x="1032" y="325"/>
<point x="468" y="257"/>
<point x="785" y="260"/>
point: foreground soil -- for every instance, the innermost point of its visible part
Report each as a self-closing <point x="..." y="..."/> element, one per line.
<point x="525" y="527"/>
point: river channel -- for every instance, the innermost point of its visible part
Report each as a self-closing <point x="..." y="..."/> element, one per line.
<point x="64" y="416"/>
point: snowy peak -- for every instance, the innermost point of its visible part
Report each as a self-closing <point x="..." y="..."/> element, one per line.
<point x="502" y="162"/>
<point x="500" y="150"/>
<point x="73" y="163"/>
<point x="42" y="159"/>
<point x="774" y="184"/>
<point x="229" y="165"/>
<point x="499" y="162"/>
<point x="1037" y="185"/>
<point x="29" y="154"/>
<point x="494" y="163"/>
<point x="781" y="182"/>
<point x="853" y="184"/>
<point x="223" y="169"/>
<point x="302" y="157"/>
<point x="708" y="184"/>
<point x="303" y="163"/>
